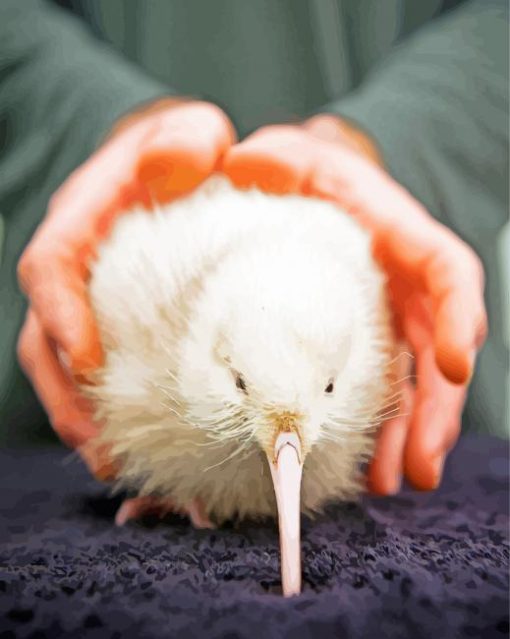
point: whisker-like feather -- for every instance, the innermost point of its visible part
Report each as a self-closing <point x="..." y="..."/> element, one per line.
<point x="170" y="409"/>
<point x="167" y="394"/>
<point x="229" y="457"/>
<point x="403" y="379"/>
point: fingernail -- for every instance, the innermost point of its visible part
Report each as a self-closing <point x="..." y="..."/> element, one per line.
<point x="437" y="469"/>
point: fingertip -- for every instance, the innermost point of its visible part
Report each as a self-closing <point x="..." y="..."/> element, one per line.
<point x="384" y="473"/>
<point x="455" y="363"/>
<point x="385" y="470"/>
<point x="423" y="470"/>
<point x="383" y="486"/>
<point x="421" y="480"/>
<point x="460" y="321"/>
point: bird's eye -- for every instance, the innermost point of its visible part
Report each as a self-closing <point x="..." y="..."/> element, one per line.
<point x="329" y="388"/>
<point x="240" y="383"/>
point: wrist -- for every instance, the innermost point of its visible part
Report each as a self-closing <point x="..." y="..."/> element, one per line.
<point x="333" y="128"/>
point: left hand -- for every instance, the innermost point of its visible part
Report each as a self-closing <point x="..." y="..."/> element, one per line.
<point x="435" y="280"/>
<point x="155" y="154"/>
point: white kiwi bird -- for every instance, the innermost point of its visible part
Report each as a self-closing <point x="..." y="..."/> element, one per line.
<point x="246" y="336"/>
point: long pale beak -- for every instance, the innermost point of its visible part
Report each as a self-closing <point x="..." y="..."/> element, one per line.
<point x="286" y="470"/>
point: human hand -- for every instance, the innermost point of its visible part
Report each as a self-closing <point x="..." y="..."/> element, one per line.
<point x="153" y="155"/>
<point x="435" y="281"/>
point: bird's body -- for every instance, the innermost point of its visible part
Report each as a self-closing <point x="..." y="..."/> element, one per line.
<point x="226" y="318"/>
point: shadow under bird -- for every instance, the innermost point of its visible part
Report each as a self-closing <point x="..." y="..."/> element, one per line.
<point x="249" y="357"/>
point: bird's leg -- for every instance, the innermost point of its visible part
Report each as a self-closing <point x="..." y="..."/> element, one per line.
<point x="196" y="512"/>
<point x="139" y="506"/>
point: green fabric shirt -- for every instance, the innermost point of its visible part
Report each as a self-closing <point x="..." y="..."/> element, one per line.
<point x="428" y="80"/>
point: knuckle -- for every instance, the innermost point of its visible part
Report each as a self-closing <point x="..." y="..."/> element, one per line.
<point x="479" y="267"/>
<point x="472" y="265"/>
<point x="39" y="251"/>
<point x="26" y="345"/>
<point x="56" y="198"/>
<point x="482" y="328"/>
<point x="39" y="256"/>
<point x="30" y="262"/>
<point x="25" y="267"/>
<point x="23" y="348"/>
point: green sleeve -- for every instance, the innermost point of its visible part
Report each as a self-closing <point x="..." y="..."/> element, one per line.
<point x="60" y="92"/>
<point x="438" y="109"/>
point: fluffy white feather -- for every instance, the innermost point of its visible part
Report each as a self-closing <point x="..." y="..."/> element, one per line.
<point x="281" y="290"/>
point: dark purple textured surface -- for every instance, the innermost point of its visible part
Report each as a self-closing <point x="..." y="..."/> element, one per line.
<point x="417" y="565"/>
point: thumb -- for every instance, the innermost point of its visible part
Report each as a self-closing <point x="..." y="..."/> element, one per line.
<point x="185" y="147"/>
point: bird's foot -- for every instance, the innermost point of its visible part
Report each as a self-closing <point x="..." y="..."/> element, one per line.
<point x="139" y="506"/>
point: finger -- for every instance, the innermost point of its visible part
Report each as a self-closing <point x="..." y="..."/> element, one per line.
<point x="276" y="159"/>
<point x="455" y="281"/>
<point x="386" y="468"/>
<point x="435" y="426"/>
<point x="436" y="419"/>
<point x="67" y="411"/>
<point x="61" y="300"/>
<point x="450" y="273"/>
<point x="54" y="268"/>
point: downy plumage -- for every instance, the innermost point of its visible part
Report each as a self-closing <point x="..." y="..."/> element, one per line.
<point x="230" y="316"/>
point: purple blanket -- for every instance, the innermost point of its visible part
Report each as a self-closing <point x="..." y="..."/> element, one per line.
<point x="417" y="565"/>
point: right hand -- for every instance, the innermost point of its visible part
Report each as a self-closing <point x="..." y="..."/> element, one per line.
<point x="151" y="156"/>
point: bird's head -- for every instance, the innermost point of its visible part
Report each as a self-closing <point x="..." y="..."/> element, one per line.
<point x="270" y="356"/>
<point x="270" y="347"/>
